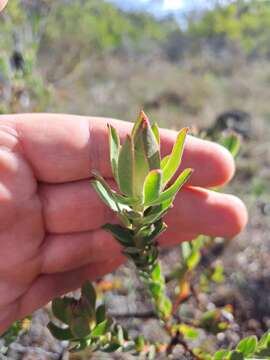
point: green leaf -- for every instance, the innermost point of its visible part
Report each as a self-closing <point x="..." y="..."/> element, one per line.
<point x="101" y="328"/>
<point x="120" y="201"/>
<point x="124" y="236"/>
<point x="189" y="332"/>
<point x="59" y="333"/>
<point x="109" y="348"/>
<point x="105" y="194"/>
<point x="114" y="142"/>
<point x="234" y="355"/>
<point x="166" y="306"/>
<point x="151" y="352"/>
<point x="59" y="308"/>
<point x="157" y="212"/>
<point x="79" y="326"/>
<point x="138" y="123"/>
<point x="186" y="248"/>
<point x="247" y="346"/>
<point x="146" y="152"/>
<point x="152" y="186"/>
<point x="159" y="228"/>
<point x="155" y="289"/>
<point x="156" y="274"/>
<point x="232" y="142"/>
<point x="139" y="342"/>
<point x="142" y="166"/>
<point x="89" y="292"/>
<point x="120" y="334"/>
<point x="218" y="274"/>
<point x="145" y="231"/>
<point x="126" y="167"/>
<point x="164" y="161"/>
<point x="151" y="147"/>
<point x="155" y="130"/>
<point x="171" y="192"/>
<point x="100" y="313"/>
<point x="194" y="259"/>
<point x="222" y="355"/>
<point x="264" y="341"/>
<point x="175" y="158"/>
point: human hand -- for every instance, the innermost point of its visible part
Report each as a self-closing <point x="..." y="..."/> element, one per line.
<point x="3" y="4"/>
<point x="50" y="217"/>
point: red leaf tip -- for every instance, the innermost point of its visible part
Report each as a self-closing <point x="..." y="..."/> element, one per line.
<point x="145" y="120"/>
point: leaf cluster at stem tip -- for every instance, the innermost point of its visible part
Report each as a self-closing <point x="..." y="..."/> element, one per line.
<point x="143" y="178"/>
<point x="146" y="192"/>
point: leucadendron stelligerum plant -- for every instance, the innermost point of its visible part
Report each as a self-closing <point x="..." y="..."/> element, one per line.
<point x="146" y="193"/>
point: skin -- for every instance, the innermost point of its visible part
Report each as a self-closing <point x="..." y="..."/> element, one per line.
<point x="3" y="4"/>
<point x="50" y="218"/>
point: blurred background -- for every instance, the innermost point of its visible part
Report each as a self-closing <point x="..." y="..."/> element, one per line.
<point x="203" y="64"/>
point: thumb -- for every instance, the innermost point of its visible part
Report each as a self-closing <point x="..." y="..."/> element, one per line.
<point x="3" y="4"/>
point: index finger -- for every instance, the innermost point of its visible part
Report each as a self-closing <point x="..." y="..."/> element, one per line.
<point x="63" y="148"/>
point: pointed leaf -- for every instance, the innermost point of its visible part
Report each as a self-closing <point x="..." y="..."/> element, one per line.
<point x="171" y="192"/>
<point x="222" y="355"/>
<point x="113" y="347"/>
<point x="175" y="157"/>
<point x="140" y="343"/>
<point x="114" y="150"/>
<point x="138" y="123"/>
<point x="117" y="198"/>
<point x="124" y="236"/>
<point x="248" y="345"/>
<point x="235" y="355"/>
<point x="146" y="152"/>
<point x="79" y="326"/>
<point x="232" y="142"/>
<point x="126" y="167"/>
<point x="164" y="161"/>
<point x="157" y="212"/>
<point x="100" y="313"/>
<point x="152" y="186"/>
<point x="101" y="328"/>
<point x="156" y="132"/>
<point x="265" y="340"/>
<point x="160" y="227"/>
<point x="166" y="306"/>
<point x="141" y="162"/>
<point x="59" y="308"/>
<point x="89" y="292"/>
<point x="145" y="231"/>
<point x="59" y="333"/>
<point x="151" y="147"/>
<point x="156" y="273"/>
<point x="105" y="195"/>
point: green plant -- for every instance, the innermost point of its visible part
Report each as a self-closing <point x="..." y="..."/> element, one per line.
<point x="17" y="328"/>
<point x="143" y="178"/>
<point x="146" y="193"/>
<point x="248" y="348"/>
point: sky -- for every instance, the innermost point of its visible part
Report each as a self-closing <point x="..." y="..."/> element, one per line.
<point x="155" y="6"/>
<point x="164" y="7"/>
<point x="173" y="4"/>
